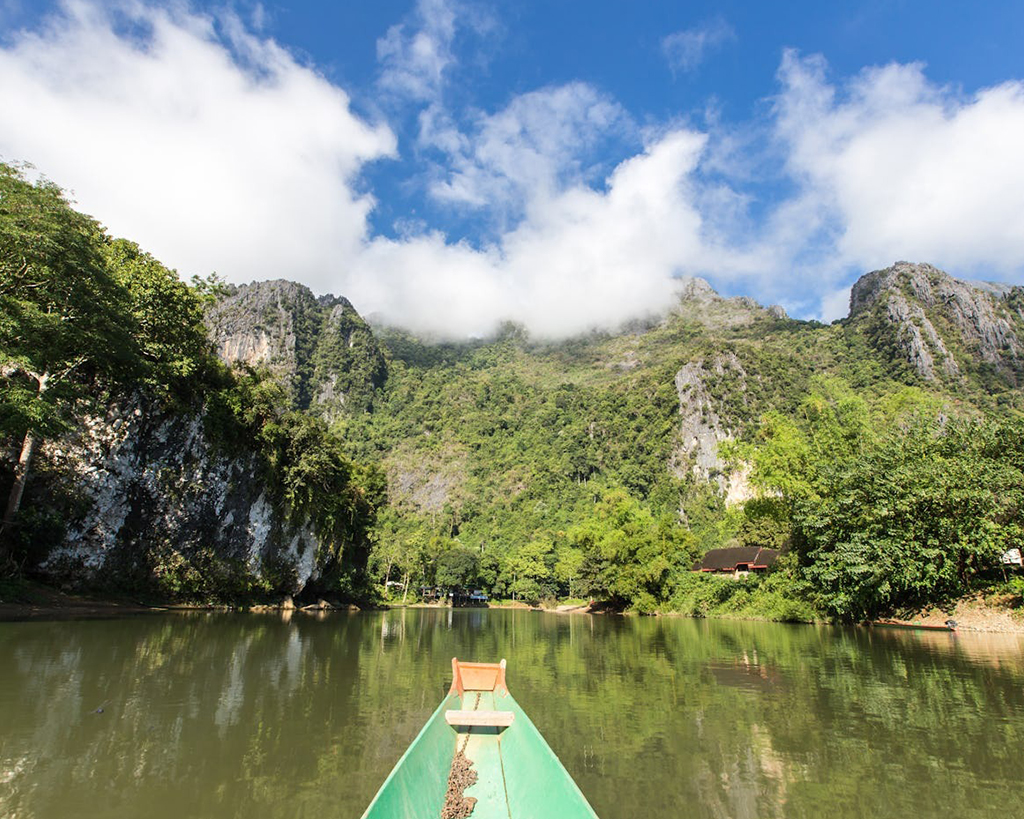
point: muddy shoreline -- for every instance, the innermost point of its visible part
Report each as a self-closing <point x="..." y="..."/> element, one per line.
<point x="36" y="602"/>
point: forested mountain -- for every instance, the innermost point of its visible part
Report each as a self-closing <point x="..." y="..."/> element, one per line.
<point x="605" y="465"/>
<point x="134" y="460"/>
<point x="884" y="454"/>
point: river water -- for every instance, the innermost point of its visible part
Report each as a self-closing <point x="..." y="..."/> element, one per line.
<point x="221" y="715"/>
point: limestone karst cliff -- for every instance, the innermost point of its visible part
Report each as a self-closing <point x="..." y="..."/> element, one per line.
<point x="141" y="489"/>
<point x="942" y="327"/>
<point x="320" y="348"/>
<point x="493" y="441"/>
<point x="204" y="495"/>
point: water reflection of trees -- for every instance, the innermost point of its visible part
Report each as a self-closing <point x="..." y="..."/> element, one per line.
<point x="200" y="716"/>
<point x="252" y="716"/>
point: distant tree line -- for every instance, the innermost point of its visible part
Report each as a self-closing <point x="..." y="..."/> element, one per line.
<point x="880" y="506"/>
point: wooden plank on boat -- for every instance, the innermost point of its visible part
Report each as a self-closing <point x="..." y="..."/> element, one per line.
<point x="493" y="719"/>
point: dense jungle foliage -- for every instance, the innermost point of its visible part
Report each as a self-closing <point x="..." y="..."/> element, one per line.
<point x="543" y="471"/>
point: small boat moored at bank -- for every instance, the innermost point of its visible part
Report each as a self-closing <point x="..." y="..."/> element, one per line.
<point x="949" y="625"/>
<point x="479" y="755"/>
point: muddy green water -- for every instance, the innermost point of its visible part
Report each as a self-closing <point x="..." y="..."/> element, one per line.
<point x="258" y="716"/>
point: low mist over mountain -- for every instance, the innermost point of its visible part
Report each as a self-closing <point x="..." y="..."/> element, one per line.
<point x="918" y="321"/>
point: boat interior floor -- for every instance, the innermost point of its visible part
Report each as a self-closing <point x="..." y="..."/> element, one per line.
<point x="482" y="746"/>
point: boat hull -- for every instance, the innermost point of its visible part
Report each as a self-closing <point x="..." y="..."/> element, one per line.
<point x="518" y="775"/>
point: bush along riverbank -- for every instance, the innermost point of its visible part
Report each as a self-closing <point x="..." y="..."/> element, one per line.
<point x="998" y="610"/>
<point x="773" y="597"/>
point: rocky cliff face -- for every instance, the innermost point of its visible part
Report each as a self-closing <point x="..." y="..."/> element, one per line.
<point x="319" y="348"/>
<point x="145" y="495"/>
<point x="141" y="496"/>
<point x="348" y="366"/>
<point x="701" y="429"/>
<point x="271" y="324"/>
<point x="699" y="302"/>
<point x="702" y="426"/>
<point x="941" y="327"/>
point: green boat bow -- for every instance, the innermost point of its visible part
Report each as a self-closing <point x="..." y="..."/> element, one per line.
<point x="518" y="776"/>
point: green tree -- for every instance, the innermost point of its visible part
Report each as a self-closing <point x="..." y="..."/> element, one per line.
<point x="458" y="567"/>
<point x="62" y="317"/>
<point x="781" y="458"/>
<point x="526" y="569"/>
<point x="165" y="314"/>
<point x="917" y="519"/>
<point x="629" y="556"/>
<point x="396" y="548"/>
<point x="788" y="455"/>
<point x="320" y="482"/>
<point x="568" y="562"/>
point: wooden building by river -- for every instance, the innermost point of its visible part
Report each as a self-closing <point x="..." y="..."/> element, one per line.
<point x="737" y="561"/>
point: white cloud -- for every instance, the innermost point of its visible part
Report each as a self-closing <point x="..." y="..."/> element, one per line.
<point x="905" y="169"/>
<point x="415" y="55"/>
<point x="835" y="305"/>
<point x="213" y="148"/>
<point x="216" y="149"/>
<point x="580" y="259"/>
<point x="540" y="143"/>
<point x="685" y="50"/>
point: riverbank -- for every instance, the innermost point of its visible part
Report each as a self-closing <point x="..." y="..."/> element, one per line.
<point x="969" y="615"/>
<point x="26" y="600"/>
<point x="974" y="615"/>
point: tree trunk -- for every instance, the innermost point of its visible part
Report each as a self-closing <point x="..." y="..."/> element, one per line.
<point x="28" y="449"/>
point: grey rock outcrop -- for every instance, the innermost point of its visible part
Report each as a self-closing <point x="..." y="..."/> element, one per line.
<point x="938" y="324"/>
<point x="267" y="323"/>
<point x="698" y="301"/>
<point x="347" y="363"/>
<point x="702" y="429"/>
<point x="144" y="491"/>
<point x="319" y="348"/>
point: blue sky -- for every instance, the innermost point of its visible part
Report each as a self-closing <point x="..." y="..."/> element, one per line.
<point x="450" y="164"/>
